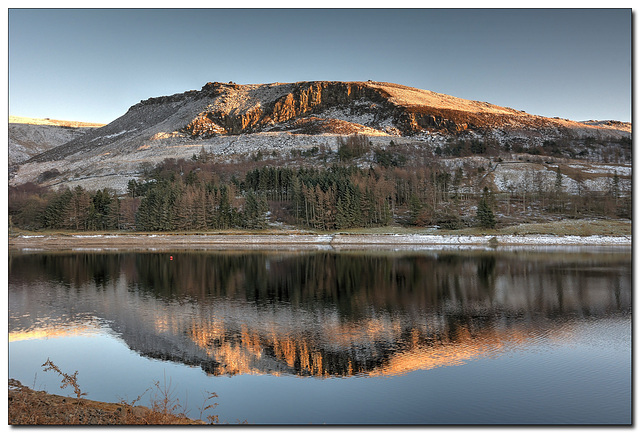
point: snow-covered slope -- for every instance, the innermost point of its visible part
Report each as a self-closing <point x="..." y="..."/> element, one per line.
<point x="29" y="137"/>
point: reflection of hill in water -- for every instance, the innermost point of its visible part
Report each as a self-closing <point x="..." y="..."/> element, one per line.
<point x="317" y="313"/>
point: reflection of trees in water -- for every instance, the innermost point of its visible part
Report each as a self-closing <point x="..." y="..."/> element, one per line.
<point x="327" y="313"/>
<point x="73" y="270"/>
<point x="350" y="282"/>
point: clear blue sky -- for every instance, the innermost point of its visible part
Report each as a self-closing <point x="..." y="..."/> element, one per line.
<point x="92" y="65"/>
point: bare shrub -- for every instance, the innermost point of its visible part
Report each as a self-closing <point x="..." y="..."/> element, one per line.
<point x="66" y="379"/>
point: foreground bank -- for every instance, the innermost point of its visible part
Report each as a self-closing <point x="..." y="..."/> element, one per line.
<point x="29" y="407"/>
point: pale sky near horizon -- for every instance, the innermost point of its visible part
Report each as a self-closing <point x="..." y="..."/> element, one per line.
<point x="93" y="64"/>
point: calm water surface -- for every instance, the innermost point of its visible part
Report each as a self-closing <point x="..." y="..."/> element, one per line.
<point x="325" y="336"/>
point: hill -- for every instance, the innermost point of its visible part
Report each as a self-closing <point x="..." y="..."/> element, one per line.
<point x="233" y="121"/>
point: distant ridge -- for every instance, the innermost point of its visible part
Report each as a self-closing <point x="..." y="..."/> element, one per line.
<point x="53" y="122"/>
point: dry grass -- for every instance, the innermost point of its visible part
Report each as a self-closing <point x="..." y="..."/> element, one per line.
<point x="581" y="174"/>
<point x="566" y="227"/>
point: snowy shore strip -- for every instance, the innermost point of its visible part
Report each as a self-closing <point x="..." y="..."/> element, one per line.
<point x="483" y="240"/>
<point x="267" y="240"/>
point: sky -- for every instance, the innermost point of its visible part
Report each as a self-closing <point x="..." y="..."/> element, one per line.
<point x="93" y="64"/>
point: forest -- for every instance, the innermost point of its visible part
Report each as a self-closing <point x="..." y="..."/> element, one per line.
<point x="359" y="185"/>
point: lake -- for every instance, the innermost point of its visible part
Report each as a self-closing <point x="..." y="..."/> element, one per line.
<point x="347" y="336"/>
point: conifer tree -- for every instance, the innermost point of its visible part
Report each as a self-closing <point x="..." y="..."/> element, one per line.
<point x="199" y="209"/>
<point x="112" y="217"/>
<point x="225" y="210"/>
<point x="415" y="210"/>
<point x="57" y="210"/>
<point x="255" y="208"/>
<point x="484" y="214"/>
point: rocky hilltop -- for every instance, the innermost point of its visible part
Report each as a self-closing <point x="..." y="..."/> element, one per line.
<point x="229" y="119"/>
<point x="367" y="107"/>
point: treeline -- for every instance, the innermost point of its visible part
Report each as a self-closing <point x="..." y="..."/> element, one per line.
<point x="33" y="207"/>
<point x="366" y="186"/>
<point x="330" y="198"/>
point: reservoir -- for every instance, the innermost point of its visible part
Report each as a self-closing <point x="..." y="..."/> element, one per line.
<point x="334" y="336"/>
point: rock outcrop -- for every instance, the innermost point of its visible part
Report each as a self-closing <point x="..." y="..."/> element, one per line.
<point x="303" y="99"/>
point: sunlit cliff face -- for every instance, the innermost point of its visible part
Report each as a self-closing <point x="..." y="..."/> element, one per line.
<point x="317" y="314"/>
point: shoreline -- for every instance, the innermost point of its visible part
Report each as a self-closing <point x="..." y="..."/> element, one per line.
<point x="56" y="241"/>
